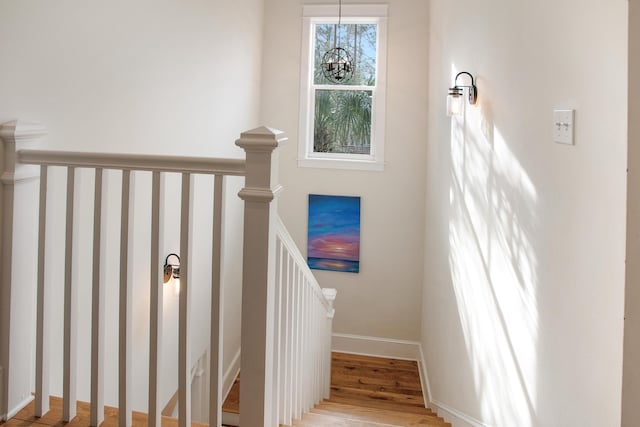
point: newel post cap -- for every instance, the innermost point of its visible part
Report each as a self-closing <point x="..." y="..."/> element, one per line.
<point x="330" y="294"/>
<point x="261" y="139"/>
<point x="18" y="131"/>
<point x="261" y="179"/>
<point x="17" y="135"/>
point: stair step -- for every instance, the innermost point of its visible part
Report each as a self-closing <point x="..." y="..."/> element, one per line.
<point x="312" y="419"/>
<point x="372" y="391"/>
<point x="381" y="400"/>
<point x="392" y="417"/>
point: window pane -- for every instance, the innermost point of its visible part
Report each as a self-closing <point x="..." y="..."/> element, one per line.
<point x="342" y="121"/>
<point x="358" y="39"/>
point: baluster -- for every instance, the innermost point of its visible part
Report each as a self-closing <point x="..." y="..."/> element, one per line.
<point x="277" y="330"/>
<point x="320" y="349"/>
<point x="96" y="415"/>
<point x="184" y="344"/>
<point x="155" y="306"/>
<point x="42" y="337"/>
<point x="70" y="327"/>
<point x="284" y="334"/>
<point x="300" y="349"/>
<point x="307" y="347"/>
<point x="305" y="340"/>
<point x="315" y="353"/>
<point x="217" y="326"/>
<point x="124" y="306"/>
<point x="297" y="409"/>
<point x="288" y="363"/>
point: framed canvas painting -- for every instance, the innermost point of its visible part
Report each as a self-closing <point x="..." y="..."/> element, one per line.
<point x="334" y="233"/>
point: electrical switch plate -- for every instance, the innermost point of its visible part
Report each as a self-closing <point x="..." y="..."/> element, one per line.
<point x="563" y="126"/>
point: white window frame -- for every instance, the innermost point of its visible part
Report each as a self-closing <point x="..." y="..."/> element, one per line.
<point x="351" y="14"/>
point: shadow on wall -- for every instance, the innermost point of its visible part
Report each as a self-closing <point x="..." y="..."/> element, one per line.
<point x="493" y="267"/>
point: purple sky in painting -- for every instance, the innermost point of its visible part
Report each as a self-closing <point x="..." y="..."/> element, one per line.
<point x="334" y="227"/>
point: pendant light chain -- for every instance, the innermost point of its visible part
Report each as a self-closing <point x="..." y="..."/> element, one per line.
<point x="337" y="65"/>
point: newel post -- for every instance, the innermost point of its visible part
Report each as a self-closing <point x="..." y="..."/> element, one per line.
<point x="258" y="406"/>
<point x="16" y="294"/>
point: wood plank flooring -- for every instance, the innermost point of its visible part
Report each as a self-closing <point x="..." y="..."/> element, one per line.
<point x="232" y="403"/>
<point x="53" y="418"/>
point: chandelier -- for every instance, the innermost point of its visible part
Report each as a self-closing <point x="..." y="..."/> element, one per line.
<point x="337" y="64"/>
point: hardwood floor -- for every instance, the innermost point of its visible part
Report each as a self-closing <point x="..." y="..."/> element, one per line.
<point x="232" y="404"/>
<point x="365" y="392"/>
<point x="26" y="418"/>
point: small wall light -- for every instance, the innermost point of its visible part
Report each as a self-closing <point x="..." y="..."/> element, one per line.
<point x="172" y="271"/>
<point x="455" y="100"/>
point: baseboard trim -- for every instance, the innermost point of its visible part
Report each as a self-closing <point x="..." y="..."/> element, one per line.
<point x="19" y="407"/>
<point x="455" y="417"/>
<point x="456" y="414"/>
<point x="229" y="419"/>
<point x="424" y="378"/>
<point x="375" y="346"/>
<point x="230" y="375"/>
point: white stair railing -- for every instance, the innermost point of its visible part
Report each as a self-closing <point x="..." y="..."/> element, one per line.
<point x="304" y="317"/>
<point x="286" y="317"/>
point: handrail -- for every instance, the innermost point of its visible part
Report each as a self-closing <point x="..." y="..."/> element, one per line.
<point x="180" y="164"/>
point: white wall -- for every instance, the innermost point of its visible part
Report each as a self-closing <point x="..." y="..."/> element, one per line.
<point x="167" y="77"/>
<point x="383" y="300"/>
<point x="524" y="258"/>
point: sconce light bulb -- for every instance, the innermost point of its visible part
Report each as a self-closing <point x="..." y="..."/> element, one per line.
<point x="454" y="105"/>
<point x="168" y="273"/>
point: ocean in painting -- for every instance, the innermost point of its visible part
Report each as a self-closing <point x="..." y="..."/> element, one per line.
<point x="334" y="265"/>
<point x="334" y="233"/>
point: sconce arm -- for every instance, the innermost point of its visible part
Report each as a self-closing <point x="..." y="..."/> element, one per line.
<point x="473" y="90"/>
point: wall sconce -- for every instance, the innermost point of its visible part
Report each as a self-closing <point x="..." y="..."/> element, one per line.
<point x="455" y="100"/>
<point x="172" y="271"/>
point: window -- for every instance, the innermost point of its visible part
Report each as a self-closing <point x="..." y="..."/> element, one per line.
<point x="342" y="124"/>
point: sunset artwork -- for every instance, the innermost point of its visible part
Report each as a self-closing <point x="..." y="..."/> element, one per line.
<point x="334" y="233"/>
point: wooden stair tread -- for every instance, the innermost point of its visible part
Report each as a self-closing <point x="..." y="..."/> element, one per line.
<point x="370" y="361"/>
<point x="26" y="417"/>
<point x="332" y="404"/>
<point x="231" y="404"/>
<point x="363" y="393"/>
<point x="392" y="417"/>
<point x="312" y="419"/>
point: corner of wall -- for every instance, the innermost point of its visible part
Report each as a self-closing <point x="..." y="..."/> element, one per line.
<point x="455" y="417"/>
